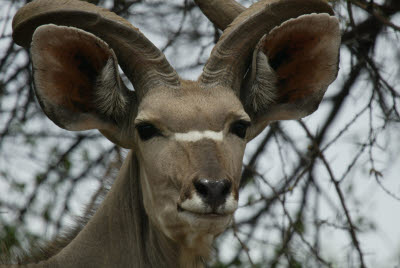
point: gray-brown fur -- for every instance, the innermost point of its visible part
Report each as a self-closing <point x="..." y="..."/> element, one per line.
<point x="161" y="210"/>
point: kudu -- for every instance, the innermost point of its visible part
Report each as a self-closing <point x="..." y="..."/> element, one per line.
<point x="178" y="187"/>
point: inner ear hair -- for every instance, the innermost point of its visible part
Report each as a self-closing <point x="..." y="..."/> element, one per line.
<point x="76" y="75"/>
<point x="293" y="65"/>
<point x="110" y="102"/>
<point x="262" y="91"/>
<point x="77" y="82"/>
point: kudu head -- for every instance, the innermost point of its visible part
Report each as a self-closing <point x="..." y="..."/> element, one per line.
<point x="273" y="62"/>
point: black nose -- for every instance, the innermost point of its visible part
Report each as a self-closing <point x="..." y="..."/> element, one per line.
<point x="213" y="192"/>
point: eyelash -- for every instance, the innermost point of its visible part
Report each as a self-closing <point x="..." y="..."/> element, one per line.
<point x="147" y="131"/>
<point x="239" y="128"/>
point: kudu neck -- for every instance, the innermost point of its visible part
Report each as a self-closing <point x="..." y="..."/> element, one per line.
<point x="120" y="233"/>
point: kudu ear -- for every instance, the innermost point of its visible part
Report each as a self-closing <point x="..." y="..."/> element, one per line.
<point x="292" y="66"/>
<point x="77" y="81"/>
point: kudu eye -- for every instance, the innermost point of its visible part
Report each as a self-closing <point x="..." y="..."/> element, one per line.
<point x="239" y="128"/>
<point x="147" y="131"/>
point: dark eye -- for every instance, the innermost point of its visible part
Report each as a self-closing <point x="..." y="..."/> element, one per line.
<point x="147" y="131"/>
<point x="239" y="128"/>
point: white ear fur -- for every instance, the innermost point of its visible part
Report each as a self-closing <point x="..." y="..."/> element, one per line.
<point x="77" y="81"/>
<point x="292" y="67"/>
<point x="294" y="62"/>
<point x="76" y="78"/>
<point x="109" y="98"/>
<point x="262" y="91"/>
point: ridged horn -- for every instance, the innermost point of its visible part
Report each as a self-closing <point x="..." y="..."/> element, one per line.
<point x="142" y="62"/>
<point x="221" y="12"/>
<point x="231" y="56"/>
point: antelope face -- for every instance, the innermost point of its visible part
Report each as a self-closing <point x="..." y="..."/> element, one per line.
<point x="274" y="62"/>
<point x="191" y="157"/>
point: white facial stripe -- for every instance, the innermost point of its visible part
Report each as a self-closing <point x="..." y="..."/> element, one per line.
<point x="195" y="135"/>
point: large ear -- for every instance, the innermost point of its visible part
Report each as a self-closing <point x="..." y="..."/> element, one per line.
<point x="292" y="67"/>
<point x="77" y="81"/>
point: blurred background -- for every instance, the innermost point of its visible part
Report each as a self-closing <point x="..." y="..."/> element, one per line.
<point x="320" y="192"/>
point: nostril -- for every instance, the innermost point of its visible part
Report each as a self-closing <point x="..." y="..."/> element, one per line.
<point x="201" y="187"/>
<point x="226" y="187"/>
<point x="213" y="192"/>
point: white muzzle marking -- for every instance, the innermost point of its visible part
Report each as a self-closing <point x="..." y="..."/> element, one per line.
<point x="195" y="135"/>
<point x="196" y="205"/>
